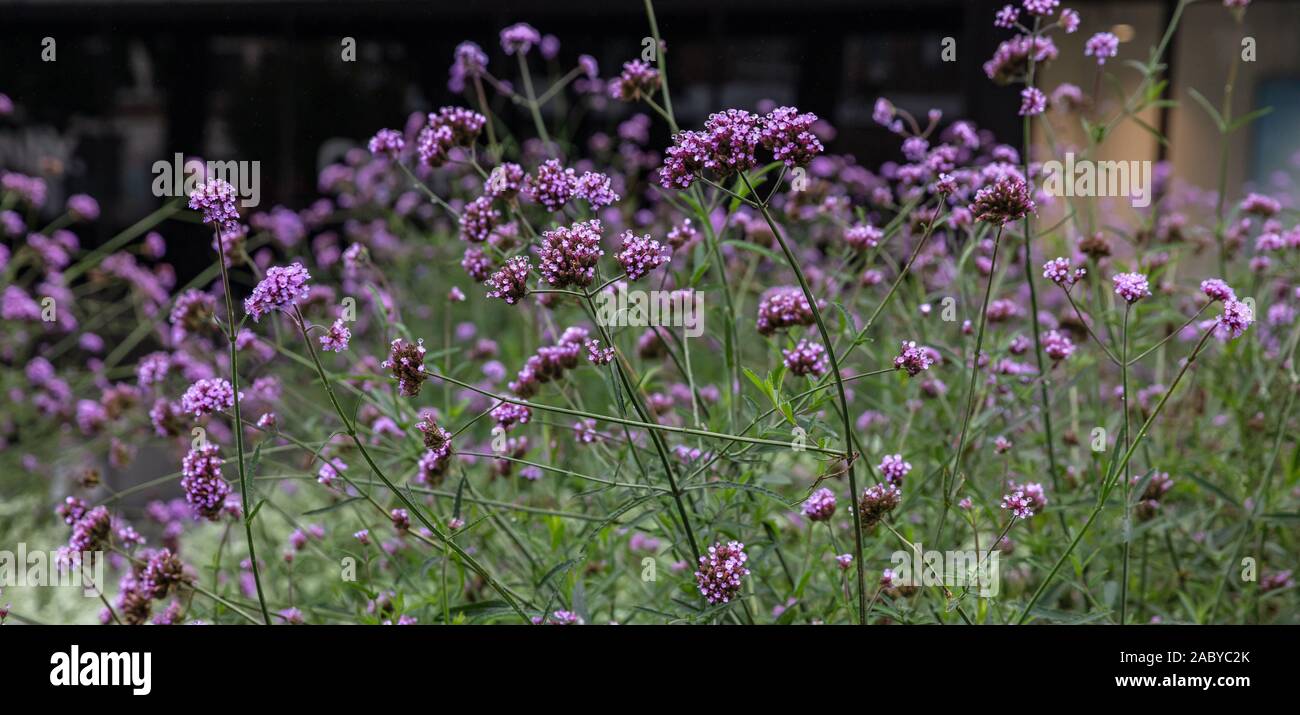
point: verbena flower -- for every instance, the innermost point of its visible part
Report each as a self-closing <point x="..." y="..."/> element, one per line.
<point x="1006" y="199"/>
<point x="783" y="307"/>
<point x="1057" y="345"/>
<point x="863" y="236"/>
<point x="511" y="282"/>
<point x="336" y="338"/>
<point x="913" y="359"/>
<point x="1132" y="287"/>
<point x="1102" y="46"/>
<point x="787" y="133"/>
<point x="1233" y="321"/>
<point x="406" y="361"/>
<point x="568" y="255"/>
<point x="1058" y="271"/>
<point x="387" y="142"/>
<point x="207" y="396"/>
<point x="216" y="198"/>
<point x="283" y="287"/>
<point x="519" y="38"/>
<point x="894" y="468"/>
<point x="721" y="570"/>
<point x="640" y="255"/>
<point x="807" y="358"/>
<point x="1007" y="17"/>
<point x="1216" y="289"/>
<point x="205" y="490"/>
<point x="820" y="506"/>
<point x="876" y="502"/>
<point x="1032" y="102"/>
<point x="1018" y="504"/>
<point x="637" y="80"/>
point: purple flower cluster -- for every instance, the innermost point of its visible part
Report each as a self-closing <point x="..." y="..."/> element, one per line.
<point x="509" y="414"/>
<point x="730" y="139"/>
<point x="863" y="236"/>
<point x="1006" y="199"/>
<point x="807" y="358"/>
<point x="637" y="80"/>
<point x="1233" y="321"/>
<point x="894" y="469"/>
<point x="205" y="490"/>
<point x="783" y="307"/>
<point x="640" y="255"/>
<point x="1216" y="289"/>
<point x="820" y="506"/>
<point x="281" y="289"/>
<point x="913" y="359"/>
<point x="336" y="338"/>
<point x="511" y="282"/>
<point x="1102" y="46"/>
<point x="721" y="571"/>
<point x="876" y="502"/>
<point x="1132" y="287"/>
<point x="477" y="220"/>
<point x="213" y="394"/>
<point x="387" y="142"/>
<point x="568" y="255"/>
<point x="1057" y="345"/>
<point x="1058" y="271"/>
<point x="216" y="199"/>
<point x="406" y="361"/>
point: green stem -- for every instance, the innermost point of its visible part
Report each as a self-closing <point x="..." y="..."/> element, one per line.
<point x="849" y="457"/>
<point x="239" y="431"/>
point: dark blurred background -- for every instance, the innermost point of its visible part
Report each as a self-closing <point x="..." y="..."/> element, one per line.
<point x="135" y="82"/>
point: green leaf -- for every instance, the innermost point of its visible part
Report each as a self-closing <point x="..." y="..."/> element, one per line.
<point x="1209" y="108"/>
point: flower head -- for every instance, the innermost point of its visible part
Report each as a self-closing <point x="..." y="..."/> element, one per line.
<point x="569" y="254"/>
<point x="1006" y="199"/>
<point x="216" y="199"/>
<point x="1132" y="287"/>
<point x="282" y="288"/>
<point x="721" y="571"/>
<point x="913" y="359"/>
<point x="1102" y="45"/>
<point x="205" y="490"/>
<point x="807" y="358"/>
<point x="877" y="501"/>
<point x="1216" y="289"/>
<point x="511" y="282"/>
<point x="820" y="506"/>
<point x="788" y="134"/>
<point x="1233" y="321"/>
<point x="640" y="255"/>
<point x="894" y="468"/>
<point x="406" y="361"/>
<point x="336" y="338"/>
<point x="208" y="395"/>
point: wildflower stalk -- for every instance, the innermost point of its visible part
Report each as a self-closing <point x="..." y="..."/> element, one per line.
<point x="374" y="468"/>
<point x="1109" y="484"/>
<point x="533" y="107"/>
<point x="971" y="386"/>
<point x="849" y="456"/>
<point x="1123" y="584"/>
<point x="247" y="515"/>
<point x="634" y="395"/>
<point x="1033" y="291"/>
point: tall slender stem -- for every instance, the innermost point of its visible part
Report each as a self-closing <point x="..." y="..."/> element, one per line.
<point x="849" y="456"/>
<point x="1118" y="467"/>
<point x="1033" y="293"/>
<point x="374" y="469"/>
<point x="239" y="430"/>
<point x="972" y="386"/>
<point x="1123" y="584"/>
